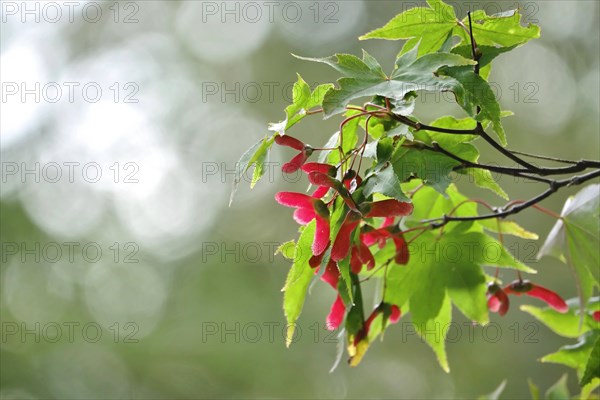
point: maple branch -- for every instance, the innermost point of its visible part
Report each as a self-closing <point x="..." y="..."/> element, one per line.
<point x="481" y="132"/>
<point x="516" y="208"/>
<point x="540" y="157"/>
<point x="420" y="127"/>
<point x="576" y="166"/>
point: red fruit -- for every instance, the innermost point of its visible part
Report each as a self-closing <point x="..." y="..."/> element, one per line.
<point x="370" y="320"/>
<point x="497" y="299"/>
<point x="309" y="208"/>
<point x="351" y="180"/>
<point x="355" y="263"/>
<point x="296" y="162"/>
<point x="331" y="275"/>
<point x="336" y="314"/>
<point x="321" y="179"/>
<point x="553" y="299"/>
<point x="317" y="178"/>
<point x="315" y="261"/>
<point x="291" y="199"/>
<point x="596" y="315"/>
<point x="321" y="240"/>
<point x="320" y="192"/>
<point x="388" y="222"/>
<point x="304" y="215"/>
<point x="378" y="236"/>
<point x="365" y="256"/>
<point x="402" y="253"/>
<point x="299" y="160"/>
<point x="388" y="208"/>
<point x="519" y="287"/>
<point x="341" y="245"/>
<point x="395" y="315"/>
<point x="289" y="142"/>
<point x="325" y="169"/>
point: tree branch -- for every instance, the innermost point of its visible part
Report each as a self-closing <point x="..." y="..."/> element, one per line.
<point x="514" y="209"/>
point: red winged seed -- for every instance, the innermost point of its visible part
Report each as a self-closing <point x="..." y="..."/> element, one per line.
<point x="289" y="141"/>
<point x="336" y="314"/>
<point x="341" y="245"/>
<point x="553" y="299"/>
<point x="304" y="215"/>
<point x="292" y="199"/>
<point x="325" y="169"/>
<point x="402" y="253"/>
<point x="395" y="315"/>
<point x="355" y="263"/>
<point x="519" y="287"/>
<point x="320" y="192"/>
<point x="365" y="256"/>
<point x="295" y="163"/>
<point x="389" y="208"/>
<point x="331" y="275"/>
<point x="321" y="240"/>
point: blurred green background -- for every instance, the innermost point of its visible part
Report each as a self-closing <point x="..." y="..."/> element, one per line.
<point x="140" y="282"/>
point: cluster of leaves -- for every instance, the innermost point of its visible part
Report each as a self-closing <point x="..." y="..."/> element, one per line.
<point x="433" y="254"/>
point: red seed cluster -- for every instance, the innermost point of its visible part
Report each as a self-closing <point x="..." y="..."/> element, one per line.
<point x="345" y="244"/>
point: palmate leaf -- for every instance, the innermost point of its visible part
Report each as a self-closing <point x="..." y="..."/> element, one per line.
<point x="563" y="324"/>
<point x="488" y="53"/>
<point x="430" y="25"/>
<point x="365" y="78"/>
<point x="582" y="356"/>
<point x="435" y="26"/>
<point x="576" y="355"/>
<point x="434" y="331"/>
<point x="473" y="91"/>
<point x="574" y="239"/>
<point x="503" y="29"/>
<point x="445" y="269"/>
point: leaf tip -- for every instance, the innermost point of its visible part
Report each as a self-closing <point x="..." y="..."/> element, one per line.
<point x="289" y="336"/>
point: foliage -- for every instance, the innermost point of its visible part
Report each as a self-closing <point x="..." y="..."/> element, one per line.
<point x="384" y="209"/>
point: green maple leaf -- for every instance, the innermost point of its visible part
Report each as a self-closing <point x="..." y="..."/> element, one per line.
<point x="574" y="239"/>
<point x="445" y="267"/>
<point x="365" y="78"/>
<point x="473" y="91"/>
<point x="430" y="25"/>
<point x="502" y="29"/>
<point x="592" y="369"/>
<point x="435" y="26"/>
